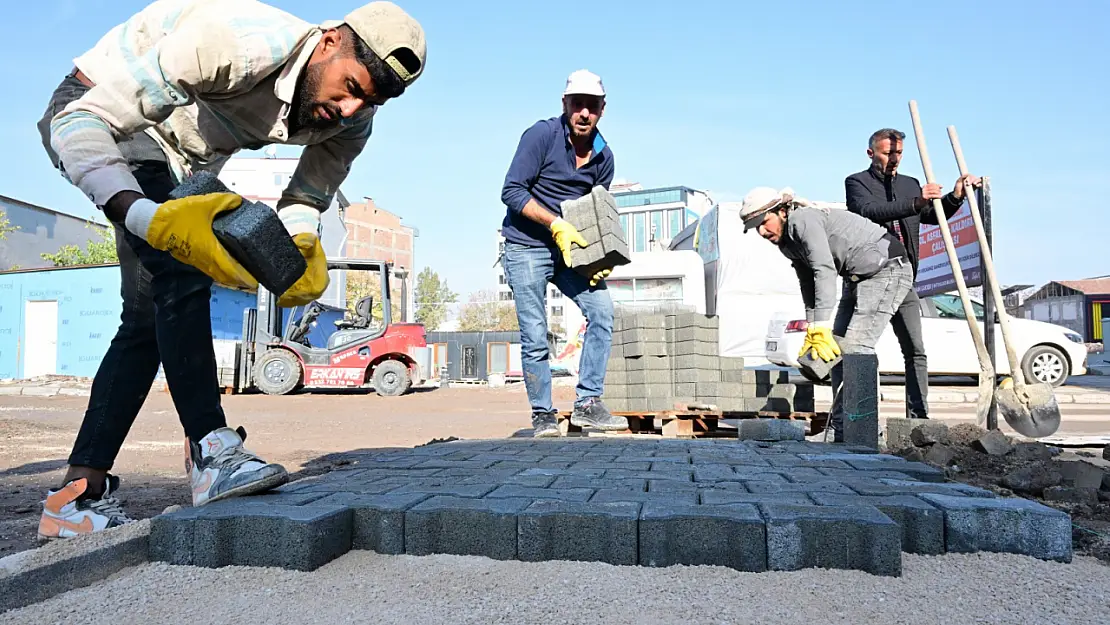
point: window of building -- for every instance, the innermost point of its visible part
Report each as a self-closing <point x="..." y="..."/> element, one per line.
<point x="624" y="225"/>
<point x="501" y="279"/>
<point x="506" y="296"/>
<point x="620" y="290"/>
<point x="556" y="294"/>
<point x="657" y="225"/>
<point x="642" y="198"/>
<point x="556" y="311"/>
<point x="674" y="216"/>
<point x="637" y="290"/>
<point x="640" y="240"/>
<point x="497" y="355"/>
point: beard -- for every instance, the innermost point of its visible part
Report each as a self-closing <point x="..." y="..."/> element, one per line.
<point x="304" y="113"/>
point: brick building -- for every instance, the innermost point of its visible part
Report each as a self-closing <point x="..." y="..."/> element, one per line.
<point x="374" y="232"/>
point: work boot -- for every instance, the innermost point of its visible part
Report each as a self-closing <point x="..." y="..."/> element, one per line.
<point x="544" y="425"/>
<point x="591" y="413"/>
<point x="70" y="511"/>
<point x="220" y="467"/>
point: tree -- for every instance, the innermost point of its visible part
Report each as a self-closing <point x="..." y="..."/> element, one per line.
<point x="98" y="251"/>
<point x="483" y="313"/>
<point x="432" y="298"/>
<point x="6" y="228"/>
<point x="361" y="284"/>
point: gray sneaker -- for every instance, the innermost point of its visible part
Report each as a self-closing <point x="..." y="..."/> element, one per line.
<point x="544" y="425"/>
<point x="593" y="414"/>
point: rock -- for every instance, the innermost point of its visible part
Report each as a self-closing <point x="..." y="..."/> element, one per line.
<point x="1035" y="451"/>
<point x="930" y="433"/>
<point x="964" y="434"/>
<point x="1104" y="496"/>
<point x="939" y="455"/>
<point x="1033" y="479"/>
<point x="171" y="509"/>
<point x="913" y="455"/>
<point x="993" y="443"/>
<point x="1068" y="494"/>
<point x="1079" y="473"/>
<point x="897" y="433"/>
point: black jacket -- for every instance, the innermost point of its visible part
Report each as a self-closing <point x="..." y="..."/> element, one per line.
<point x="884" y="200"/>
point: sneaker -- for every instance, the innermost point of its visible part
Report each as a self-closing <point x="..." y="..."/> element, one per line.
<point x="220" y="467"/>
<point x="593" y="414"/>
<point x="544" y="425"/>
<point x="68" y="512"/>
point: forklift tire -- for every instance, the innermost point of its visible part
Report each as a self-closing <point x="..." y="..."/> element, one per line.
<point x="391" y="378"/>
<point x="277" y="372"/>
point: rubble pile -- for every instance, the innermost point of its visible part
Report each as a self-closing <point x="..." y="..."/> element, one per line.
<point x="1066" y="480"/>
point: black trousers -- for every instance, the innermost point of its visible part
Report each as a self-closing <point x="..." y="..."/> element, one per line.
<point x="166" y="319"/>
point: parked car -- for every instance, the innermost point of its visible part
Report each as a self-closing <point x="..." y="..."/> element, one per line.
<point x="1047" y="352"/>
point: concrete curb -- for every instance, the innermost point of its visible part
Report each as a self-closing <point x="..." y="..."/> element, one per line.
<point x="36" y="575"/>
<point x="42" y="391"/>
<point x="950" y="397"/>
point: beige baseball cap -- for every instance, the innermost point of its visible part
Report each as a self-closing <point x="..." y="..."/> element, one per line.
<point x="393" y="35"/>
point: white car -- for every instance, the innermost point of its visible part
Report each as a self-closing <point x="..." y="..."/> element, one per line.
<point x="1047" y="352"/>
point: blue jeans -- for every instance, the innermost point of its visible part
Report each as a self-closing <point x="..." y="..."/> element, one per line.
<point x="166" y="318"/>
<point x="528" y="270"/>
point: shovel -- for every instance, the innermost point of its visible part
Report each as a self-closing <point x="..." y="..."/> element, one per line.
<point x="1030" y="409"/>
<point x="986" y="369"/>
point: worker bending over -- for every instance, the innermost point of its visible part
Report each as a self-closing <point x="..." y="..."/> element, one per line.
<point x="822" y="244"/>
<point x="178" y="88"/>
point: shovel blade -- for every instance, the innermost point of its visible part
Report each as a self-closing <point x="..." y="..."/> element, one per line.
<point x="1031" y="409"/>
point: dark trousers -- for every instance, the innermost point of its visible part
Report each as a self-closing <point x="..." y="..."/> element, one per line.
<point x="907" y="327"/>
<point x="166" y="319"/>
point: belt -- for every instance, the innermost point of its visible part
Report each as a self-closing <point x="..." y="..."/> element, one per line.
<point x="82" y="78"/>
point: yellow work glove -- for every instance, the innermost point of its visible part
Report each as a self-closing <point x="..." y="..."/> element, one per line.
<point x="315" y="280"/>
<point x="184" y="229"/>
<point x="599" y="276"/>
<point x="565" y="234"/>
<point x="819" y="338"/>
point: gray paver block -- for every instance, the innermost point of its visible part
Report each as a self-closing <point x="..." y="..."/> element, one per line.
<point x="834" y="537"/>
<point x="300" y="538"/>
<point x="520" y="492"/>
<point x="898" y="430"/>
<point x="772" y="430"/>
<point x="908" y="487"/>
<point x="1004" y="525"/>
<point x="570" y="481"/>
<point x="590" y="532"/>
<point x="607" y="495"/>
<point x="378" y="521"/>
<point x="461" y="526"/>
<point x="800" y="487"/>
<point x="861" y="399"/>
<point x="717" y="497"/>
<point x="922" y="524"/>
<point x="734" y="536"/>
<point x="696" y="377"/>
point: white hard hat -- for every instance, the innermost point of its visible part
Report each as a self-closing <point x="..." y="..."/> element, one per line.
<point x="759" y="201"/>
<point x="584" y="82"/>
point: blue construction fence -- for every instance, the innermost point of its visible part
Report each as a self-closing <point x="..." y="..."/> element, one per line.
<point x="88" y="314"/>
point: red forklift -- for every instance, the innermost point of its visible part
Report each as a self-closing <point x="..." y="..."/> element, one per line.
<point x="362" y="352"/>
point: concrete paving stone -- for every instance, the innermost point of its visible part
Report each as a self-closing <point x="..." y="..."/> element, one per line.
<point x="715" y="473"/>
<point x="640" y="335"/>
<point x="872" y="475"/>
<point x="300" y="538"/>
<point x="1079" y="473"/>
<point x="614" y="391"/>
<point x="275" y="498"/>
<point x="898" y="431"/>
<point x="631" y="466"/>
<point x="914" y="487"/>
<point x="676" y="475"/>
<point x="673" y="486"/>
<point x="616" y="360"/>
<point x="647" y="362"/>
<point x="728" y="363"/>
<point x="771" y="430"/>
<point x="922" y="524"/>
<point x="520" y="465"/>
<point x="457" y="464"/>
<point x="650" y="391"/>
<point x="799" y="487"/>
<point x="693" y="348"/>
<point x="521" y="492"/>
<point x="1004" y="525"/>
<point x="375" y="487"/>
<point x="492" y="474"/>
<point x="861" y="399"/>
<point x="852" y="537"/>
<point x="531" y="481"/>
<point x="733" y="536"/>
<point x="647" y="376"/>
<point x="707" y="363"/>
<point x="726" y="496"/>
<point x="695" y="320"/>
<point x="790" y="474"/>
<point x="472" y="527"/>
<point x="884" y="462"/>
<point x="696" y="334"/>
<point x="378" y="521"/>
<point x="805" y="461"/>
<point x="609" y="495"/>
<point x="559" y="472"/>
<point x="574" y="482"/>
<point x="589" y="532"/>
<point x="454" y="489"/>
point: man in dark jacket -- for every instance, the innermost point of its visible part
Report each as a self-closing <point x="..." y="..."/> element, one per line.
<point x="900" y="204"/>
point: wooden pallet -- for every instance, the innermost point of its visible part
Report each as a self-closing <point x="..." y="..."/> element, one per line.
<point x="694" y="423"/>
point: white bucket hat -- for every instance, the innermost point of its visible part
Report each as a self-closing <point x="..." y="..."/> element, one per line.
<point x="760" y="200"/>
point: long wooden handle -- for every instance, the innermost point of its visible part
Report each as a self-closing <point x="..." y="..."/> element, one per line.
<point x="988" y="263"/>
<point x="953" y="258"/>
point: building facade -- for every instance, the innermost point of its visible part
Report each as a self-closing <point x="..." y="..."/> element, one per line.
<point x="651" y="218"/>
<point x="1079" y="305"/>
<point x="35" y="230"/>
<point x="557" y="304"/>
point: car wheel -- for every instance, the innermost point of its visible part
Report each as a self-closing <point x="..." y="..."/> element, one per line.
<point x="1045" y="363"/>
<point x="277" y="372"/>
<point x="391" y="378"/>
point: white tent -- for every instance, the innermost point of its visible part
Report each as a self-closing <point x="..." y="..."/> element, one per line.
<point x="755" y="283"/>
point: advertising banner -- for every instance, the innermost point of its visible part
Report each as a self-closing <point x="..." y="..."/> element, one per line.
<point x="934" y="271"/>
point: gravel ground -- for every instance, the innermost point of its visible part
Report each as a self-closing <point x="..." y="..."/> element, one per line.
<point x="364" y="587"/>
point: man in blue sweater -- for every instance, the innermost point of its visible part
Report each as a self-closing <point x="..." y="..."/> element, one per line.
<point x="558" y="159"/>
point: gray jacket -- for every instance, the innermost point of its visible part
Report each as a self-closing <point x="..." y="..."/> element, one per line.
<point x="824" y="243"/>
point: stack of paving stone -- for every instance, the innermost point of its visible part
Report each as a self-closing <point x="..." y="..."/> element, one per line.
<point x="596" y="219"/>
<point x="744" y="505"/>
<point x="665" y="359"/>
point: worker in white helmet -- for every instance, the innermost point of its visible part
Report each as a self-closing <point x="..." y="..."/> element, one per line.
<point x="822" y="243"/>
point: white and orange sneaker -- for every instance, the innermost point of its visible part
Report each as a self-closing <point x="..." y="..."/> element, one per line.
<point x="67" y="513"/>
<point x="220" y="467"/>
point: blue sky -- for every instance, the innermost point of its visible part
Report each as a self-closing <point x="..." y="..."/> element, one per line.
<point x="716" y="95"/>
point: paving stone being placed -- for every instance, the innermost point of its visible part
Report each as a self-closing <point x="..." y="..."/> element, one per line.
<point x="771" y="430"/>
<point x="642" y="501"/>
